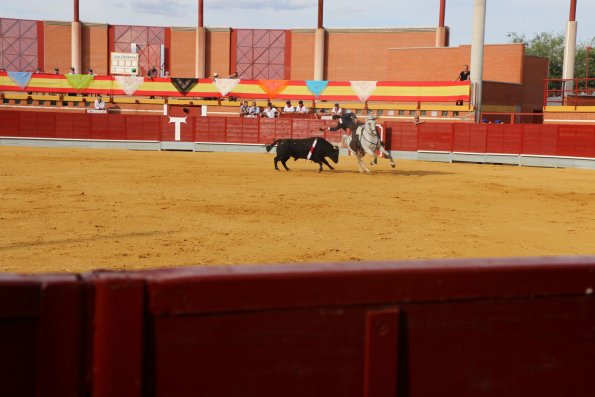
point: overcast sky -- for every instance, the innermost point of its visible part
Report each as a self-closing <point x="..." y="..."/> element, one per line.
<point x="503" y="16"/>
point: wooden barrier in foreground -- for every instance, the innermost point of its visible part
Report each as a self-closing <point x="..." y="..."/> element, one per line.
<point x="489" y="327"/>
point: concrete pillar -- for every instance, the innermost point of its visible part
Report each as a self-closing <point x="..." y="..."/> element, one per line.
<point x="569" y="56"/>
<point x="76" y="39"/>
<point x="201" y="52"/>
<point x="477" y="43"/>
<point x="440" y="36"/>
<point x="76" y="32"/>
<point x="319" y="54"/>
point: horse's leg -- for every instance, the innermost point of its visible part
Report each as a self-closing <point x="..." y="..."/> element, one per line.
<point x="326" y="163"/>
<point x="387" y="155"/>
<point x="361" y="164"/>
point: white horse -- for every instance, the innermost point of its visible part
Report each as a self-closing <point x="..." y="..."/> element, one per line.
<point x="369" y="141"/>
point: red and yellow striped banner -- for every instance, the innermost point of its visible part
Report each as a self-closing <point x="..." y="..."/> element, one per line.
<point x="402" y="91"/>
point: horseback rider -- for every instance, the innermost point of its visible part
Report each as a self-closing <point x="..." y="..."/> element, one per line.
<point x="345" y="121"/>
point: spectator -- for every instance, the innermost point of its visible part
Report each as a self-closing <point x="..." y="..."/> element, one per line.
<point x="416" y="120"/>
<point x="38" y="70"/>
<point x="91" y="72"/>
<point x="464" y="75"/>
<point x="300" y="108"/>
<point x="254" y="110"/>
<point x="244" y="109"/>
<point x="270" y="111"/>
<point x="152" y="72"/>
<point x="337" y="111"/>
<point x="233" y="76"/>
<point x="56" y="71"/>
<point x="99" y="104"/>
<point x="166" y="74"/>
<point x="215" y="75"/>
<point x="72" y="70"/>
<point x="288" y="107"/>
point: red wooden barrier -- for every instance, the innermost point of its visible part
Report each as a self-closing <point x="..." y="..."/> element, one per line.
<point x="488" y="327"/>
<point x="42" y="329"/>
<point x="547" y="140"/>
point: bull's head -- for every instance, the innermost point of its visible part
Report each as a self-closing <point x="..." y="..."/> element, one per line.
<point x="334" y="154"/>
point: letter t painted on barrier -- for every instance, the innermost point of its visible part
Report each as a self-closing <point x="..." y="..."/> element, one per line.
<point x="177" y="121"/>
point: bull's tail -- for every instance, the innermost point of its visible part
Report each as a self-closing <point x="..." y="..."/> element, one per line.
<point x="272" y="145"/>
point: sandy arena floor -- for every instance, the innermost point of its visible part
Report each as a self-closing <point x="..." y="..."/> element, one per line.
<point x="73" y="210"/>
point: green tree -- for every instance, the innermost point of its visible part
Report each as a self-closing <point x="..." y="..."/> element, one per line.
<point x="551" y="45"/>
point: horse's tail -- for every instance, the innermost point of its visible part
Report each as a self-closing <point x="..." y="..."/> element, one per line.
<point x="272" y="145"/>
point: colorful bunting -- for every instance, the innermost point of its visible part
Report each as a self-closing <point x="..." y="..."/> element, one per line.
<point x="129" y="84"/>
<point x="316" y="86"/>
<point x="363" y="89"/>
<point x="225" y="86"/>
<point x="183" y="85"/>
<point x="20" y="78"/>
<point x="79" y="81"/>
<point x="273" y="87"/>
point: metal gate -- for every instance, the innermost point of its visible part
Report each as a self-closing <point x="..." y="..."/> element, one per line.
<point x="148" y="40"/>
<point x="260" y="54"/>
<point x="18" y="45"/>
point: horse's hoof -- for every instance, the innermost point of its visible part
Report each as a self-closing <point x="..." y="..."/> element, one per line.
<point x="392" y="165"/>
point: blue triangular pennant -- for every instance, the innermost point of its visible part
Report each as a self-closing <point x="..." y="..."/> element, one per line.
<point x="316" y="86"/>
<point x="20" y="78"/>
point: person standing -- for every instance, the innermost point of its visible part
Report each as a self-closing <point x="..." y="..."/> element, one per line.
<point x="301" y="108"/>
<point x="270" y="111"/>
<point x="288" y="107"/>
<point x="464" y="75"/>
<point x="337" y="111"/>
<point x="99" y="103"/>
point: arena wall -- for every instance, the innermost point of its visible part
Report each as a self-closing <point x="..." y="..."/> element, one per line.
<point x="57" y="48"/>
<point x="519" y="144"/>
<point x="94" y="43"/>
<point x="487" y="327"/>
<point x="183" y="51"/>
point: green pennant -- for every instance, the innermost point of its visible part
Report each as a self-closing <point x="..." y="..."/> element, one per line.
<point x="80" y="81"/>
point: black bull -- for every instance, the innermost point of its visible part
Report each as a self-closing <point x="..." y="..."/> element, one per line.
<point x="300" y="148"/>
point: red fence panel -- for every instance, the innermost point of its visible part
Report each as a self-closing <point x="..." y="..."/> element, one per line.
<point x="210" y="129"/>
<point x="233" y="130"/>
<point x="64" y="125"/>
<point x="540" y="139"/>
<point x="435" y="137"/>
<point x="117" y="126"/>
<point x="151" y="128"/>
<point x="134" y="127"/>
<point x="505" y="138"/>
<point x="250" y="130"/>
<point x="9" y="123"/>
<point x="81" y="126"/>
<point x="403" y="136"/>
<point x="99" y="126"/>
<point x="576" y="140"/>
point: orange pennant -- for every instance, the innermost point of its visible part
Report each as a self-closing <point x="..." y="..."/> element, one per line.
<point x="273" y="87"/>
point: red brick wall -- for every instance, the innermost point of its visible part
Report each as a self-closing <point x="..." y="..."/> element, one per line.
<point x="57" y="45"/>
<point x="183" y="52"/>
<point x="302" y="54"/>
<point x="502" y="63"/>
<point x="218" y="52"/>
<point x="362" y="54"/>
<point x="95" y="52"/>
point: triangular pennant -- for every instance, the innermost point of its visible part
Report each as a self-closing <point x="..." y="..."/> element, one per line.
<point x="363" y="89"/>
<point x="273" y="87"/>
<point x="20" y="78"/>
<point x="129" y="84"/>
<point x="80" y="81"/>
<point x="226" y="85"/>
<point x="316" y="86"/>
<point x="182" y="84"/>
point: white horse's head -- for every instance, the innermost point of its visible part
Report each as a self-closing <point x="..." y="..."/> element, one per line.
<point x="371" y="124"/>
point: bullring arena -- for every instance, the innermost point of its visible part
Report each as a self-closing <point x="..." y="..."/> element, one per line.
<point x="74" y="210"/>
<point x="148" y="247"/>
